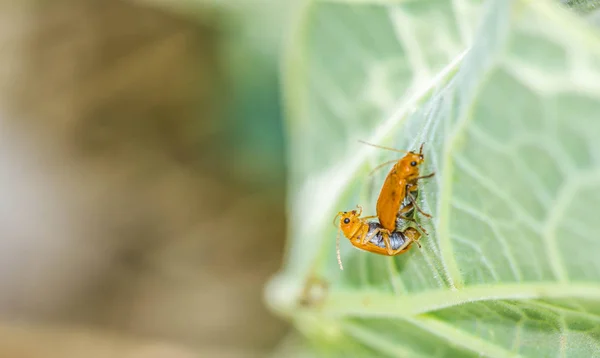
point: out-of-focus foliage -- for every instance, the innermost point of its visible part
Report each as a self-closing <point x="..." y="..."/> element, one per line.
<point x="250" y="43"/>
<point x="115" y="213"/>
<point x="506" y="96"/>
<point x="582" y="6"/>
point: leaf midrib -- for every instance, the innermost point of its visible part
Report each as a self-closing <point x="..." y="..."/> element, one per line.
<point x="373" y="304"/>
<point x="354" y="162"/>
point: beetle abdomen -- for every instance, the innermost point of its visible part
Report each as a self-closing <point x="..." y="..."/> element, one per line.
<point x="397" y="239"/>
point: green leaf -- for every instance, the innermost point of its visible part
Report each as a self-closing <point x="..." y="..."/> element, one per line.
<point x="582" y="6"/>
<point x="511" y="126"/>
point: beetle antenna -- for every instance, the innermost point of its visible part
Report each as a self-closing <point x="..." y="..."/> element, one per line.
<point x="421" y="148"/>
<point x="336" y="217"/>
<point x="359" y="210"/>
<point x="337" y="249"/>
<point x="381" y="166"/>
<point x="383" y="147"/>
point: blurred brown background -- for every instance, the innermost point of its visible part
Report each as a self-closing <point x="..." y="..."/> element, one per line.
<point x="141" y="189"/>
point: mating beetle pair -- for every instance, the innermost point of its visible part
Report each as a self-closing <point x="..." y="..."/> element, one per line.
<point x="396" y="202"/>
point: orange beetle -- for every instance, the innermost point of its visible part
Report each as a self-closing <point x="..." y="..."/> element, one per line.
<point x="371" y="237"/>
<point x="398" y="186"/>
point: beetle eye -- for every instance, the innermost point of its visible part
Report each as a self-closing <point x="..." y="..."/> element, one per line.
<point x="413" y="163"/>
<point x="346" y="221"/>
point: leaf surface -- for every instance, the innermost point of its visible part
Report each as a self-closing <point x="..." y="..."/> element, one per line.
<point x="511" y="127"/>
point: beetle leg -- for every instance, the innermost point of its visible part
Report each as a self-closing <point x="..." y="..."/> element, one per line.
<point x="386" y="235"/>
<point x="414" y="221"/>
<point x="402" y="249"/>
<point x="424" y="176"/>
<point x="416" y="242"/>
<point x="367" y="237"/>
<point x="411" y="187"/>
<point x="388" y="244"/>
<point x="405" y="209"/>
<point x="414" y="202"/>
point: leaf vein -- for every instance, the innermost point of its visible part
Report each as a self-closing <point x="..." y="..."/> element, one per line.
<point x="352" y="303"/>
<point x="490" y="185"/>
<point x="378" y="342"/>
<point x="556" y="214"/>
<point x="460" y="337"/>
<point x="499" y="236"/>
<point x="481" y="257"/>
